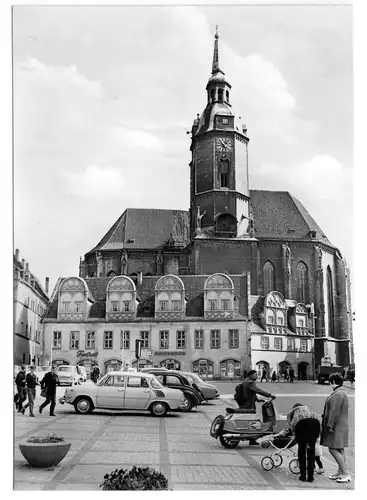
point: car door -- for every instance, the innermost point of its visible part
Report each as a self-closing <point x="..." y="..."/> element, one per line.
<point x="111" y="393"/>
<point x="138" y="393"/>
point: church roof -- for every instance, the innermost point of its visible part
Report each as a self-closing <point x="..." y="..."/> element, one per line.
<point x="143" y="228"/>
<point x="278" y="214"/>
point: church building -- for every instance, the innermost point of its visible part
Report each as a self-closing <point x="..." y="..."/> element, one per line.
<point x="244" y="279"/>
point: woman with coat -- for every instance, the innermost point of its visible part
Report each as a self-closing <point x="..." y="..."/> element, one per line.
<point x="334" y="433"/>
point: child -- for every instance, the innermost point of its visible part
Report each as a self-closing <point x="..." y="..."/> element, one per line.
<point x="318" y="453"/>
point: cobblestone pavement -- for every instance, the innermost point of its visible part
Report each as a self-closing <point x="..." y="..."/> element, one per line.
<point x="178" y="445"/>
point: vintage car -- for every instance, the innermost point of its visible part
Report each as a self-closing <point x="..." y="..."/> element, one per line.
<point x="125" y="391"/>
<point x="69" y="375"/>
<point x="209" y="390"/>
<point x="177" y="380"/>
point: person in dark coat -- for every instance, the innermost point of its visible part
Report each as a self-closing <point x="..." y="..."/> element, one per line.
<point x="21" y="388"/>
<point x="31" y="382"/>
<point x="264" y="375"/>
<point x="286" y="374"/>
<point x="249" y="389"/>
<point x="49" y="382"/>
<point x="274" y="376"/>
<point x="291" y="375"/>
<point x="335" y="426"/>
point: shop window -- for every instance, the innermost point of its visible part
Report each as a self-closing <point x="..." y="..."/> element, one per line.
<point x="145" y="339"/>
<point x="180" y="339"/>
<point x="199" y="339"/>
<point x="163" y="340"/>
<point x="215" y="339"/>
<point x="90" y="339"/>
<point x="204" y="368"/>
<point x="107" y="340"/>
<point x="233" y="339"/>
<point x="230" y="368"/>
<point x="125" y="340"/>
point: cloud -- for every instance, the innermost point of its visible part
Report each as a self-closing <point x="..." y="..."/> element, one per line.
<point x="96" y="182"/>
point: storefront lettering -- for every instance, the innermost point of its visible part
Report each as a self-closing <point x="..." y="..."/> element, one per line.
<point x="169" y="353"/>
<point x="86" y="354"/>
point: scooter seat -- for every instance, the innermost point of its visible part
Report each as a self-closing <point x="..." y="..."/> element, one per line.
<point x="240" y="410"/>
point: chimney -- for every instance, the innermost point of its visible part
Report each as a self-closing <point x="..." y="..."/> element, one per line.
<point x="47" y="283"/>
<point x="27" y="267"/>
<point x="23" y="263"/>
<point x="17" y="254"/>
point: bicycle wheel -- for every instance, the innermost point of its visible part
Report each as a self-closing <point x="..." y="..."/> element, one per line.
<point x="294" y="466"/>
<point x="267" y="463"/>
<point x="277" y="459"/>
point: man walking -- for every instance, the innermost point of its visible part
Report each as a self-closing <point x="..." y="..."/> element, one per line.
<point x="31" y="382"/>
<point x="291" y="375"/>
<point x="20" y="383"/>
<point x="49" y="382"/>
<point x="264" y="375"/>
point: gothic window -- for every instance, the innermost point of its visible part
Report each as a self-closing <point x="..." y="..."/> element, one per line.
<point x="227" y="95"/>
<point x="302" y="283"/>
<point x="330" y="302"/>
<point x="226" y="226"/>
<point x="268" y="277"/>
<point x="220" y="95"/>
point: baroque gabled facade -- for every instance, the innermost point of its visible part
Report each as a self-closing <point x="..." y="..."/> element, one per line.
<point x="287" y="269"/>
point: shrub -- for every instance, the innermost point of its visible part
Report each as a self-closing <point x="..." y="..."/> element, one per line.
<point x="50" y="438"/>
<point x="137" y="478"/>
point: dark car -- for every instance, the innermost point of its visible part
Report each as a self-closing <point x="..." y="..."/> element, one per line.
<point x="176" y="380"/>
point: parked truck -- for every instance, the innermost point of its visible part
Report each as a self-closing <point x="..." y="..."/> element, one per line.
<point x="324" y="371"/>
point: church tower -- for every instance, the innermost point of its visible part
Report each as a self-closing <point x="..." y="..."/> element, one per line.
<point x="219" y="185"/>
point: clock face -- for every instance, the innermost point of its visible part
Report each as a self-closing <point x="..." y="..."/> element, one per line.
<point x="224" y="144"/>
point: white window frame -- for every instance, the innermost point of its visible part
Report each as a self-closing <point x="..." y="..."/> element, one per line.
<point x="90" y="340"/>
<point x="66" y="306"/>
<point x="78" y="306"/>
<point x="225" y="304"/>
<point x="303" y="342"/>
<point x="144" y="335"/>
<point x="212" y="304"/>
<point x="199" y="339"/>
<point x="280" y="340"/>
<point x="126" y="305"/>
<point x="57" y="336"/>
<point x="108" y="339"/>
<point x="164" y="339"/>
<point x="75" y="339"/>
<point x="265" y="343"/>
<point x="180" y="339"/>
<point x="215" y="340"/>
<point x="233" y="338"/>
<point x="115" y="306"/>
<point x="176" y="305"/>
<point x="163" y="305"/>
<point x="125" y="339"/>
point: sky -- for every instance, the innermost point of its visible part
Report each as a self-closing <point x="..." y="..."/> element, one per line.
<point x="103" y="98"/>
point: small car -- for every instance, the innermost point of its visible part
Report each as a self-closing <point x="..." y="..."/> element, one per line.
<point x="69" y="375"/>
<point x="209" y="391"/>
<point x="124" y="391"/>
<point x="177" y="380"/>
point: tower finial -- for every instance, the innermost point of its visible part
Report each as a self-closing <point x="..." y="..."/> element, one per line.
<point x="215" y="66"/>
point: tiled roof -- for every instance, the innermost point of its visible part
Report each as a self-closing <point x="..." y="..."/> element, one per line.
<point x="194" y="292"/>
<point x="145" y="228"/>
<point x="277" y="214"/>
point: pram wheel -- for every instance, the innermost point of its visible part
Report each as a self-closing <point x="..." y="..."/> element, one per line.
<point x="228" y="442"/>
<point x="294" y="466"/>
<point x="267" y="463"/>
<point x="277" y="459"/>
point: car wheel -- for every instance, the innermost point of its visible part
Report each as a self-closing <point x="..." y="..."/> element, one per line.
<point x="188" y="404"/>
<point x="228" y="442"/>
<point x="158" y="409"/>
<point x="83" y="405"/>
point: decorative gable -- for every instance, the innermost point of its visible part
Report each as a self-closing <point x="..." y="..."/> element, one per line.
<point x="219" y="297"/>
<point x="275" y="313"/>
<point x="72" y="300"/>
<point x="170" y="302"/>
<point x="121" y="303"/>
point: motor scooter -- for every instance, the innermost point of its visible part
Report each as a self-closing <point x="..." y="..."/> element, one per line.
<point x="247" y="425"/>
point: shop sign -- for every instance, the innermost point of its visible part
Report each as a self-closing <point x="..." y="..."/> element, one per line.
<point x="86" y="354"/>
<point x="169" y="353"/>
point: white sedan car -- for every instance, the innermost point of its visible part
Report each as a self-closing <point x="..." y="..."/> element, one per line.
<point x="125" y="391"/>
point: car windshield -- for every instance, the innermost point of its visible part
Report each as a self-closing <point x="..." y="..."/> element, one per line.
<point x="64" y="369"/>
<point x="156" y="384"/>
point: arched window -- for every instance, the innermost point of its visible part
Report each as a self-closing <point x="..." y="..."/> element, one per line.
<point x="220" y="95"/>
<point x="268" y="277"/>
<point x="330" y="302"/>
<point x="230" y="368"/>
<point x="227" y="95"/>
<point x="204" y="368"/>
<point x="302" y="283"/>
<point x="111" y="274"/>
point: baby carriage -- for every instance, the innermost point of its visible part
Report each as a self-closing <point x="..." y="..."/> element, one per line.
<point x="280" y="444"/>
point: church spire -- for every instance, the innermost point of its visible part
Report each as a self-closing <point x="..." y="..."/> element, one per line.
<point x="215" y="65"/>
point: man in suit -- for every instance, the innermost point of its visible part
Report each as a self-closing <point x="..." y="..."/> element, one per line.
<point x="49" y="382"/>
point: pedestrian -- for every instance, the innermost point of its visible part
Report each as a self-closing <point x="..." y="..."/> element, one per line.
<point x="286" y="374"/>
<point x="335" y="426"/>
<point x="304" y="424"/>
<point x="31" y="382"/>
<point x="343" y="373"/>
<point x="264" y="375"/>
<point x="49" y="383"/>
<point x="21" y="388"/>
<point x="274" y="376"/>
<point x="318" y="454"/>
<point x="97" y="373"/>
<point x="291" y="375"/>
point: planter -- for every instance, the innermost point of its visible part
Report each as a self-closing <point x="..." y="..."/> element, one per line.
<point x="44" y="454"/>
